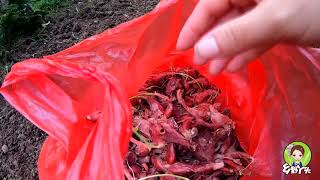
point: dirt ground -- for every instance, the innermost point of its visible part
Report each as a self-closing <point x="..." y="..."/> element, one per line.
<point x="20" y="141"/>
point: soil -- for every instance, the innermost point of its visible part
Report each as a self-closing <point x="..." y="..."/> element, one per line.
<point x="21" y="141"/>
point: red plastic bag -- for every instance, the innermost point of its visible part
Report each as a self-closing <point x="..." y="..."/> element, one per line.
<point x="274" y="101"/>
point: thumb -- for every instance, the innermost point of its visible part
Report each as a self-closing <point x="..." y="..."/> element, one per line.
<point x="248" y="31"/>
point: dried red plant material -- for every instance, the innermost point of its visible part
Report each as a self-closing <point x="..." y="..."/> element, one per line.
<point x="171" y="154"/>
<point x="181" y="128"/>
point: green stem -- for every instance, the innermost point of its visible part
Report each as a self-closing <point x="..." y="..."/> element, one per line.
<point x="162" y="175"/>
<point x="141" y="137"/>
<point x="145" y="140"/>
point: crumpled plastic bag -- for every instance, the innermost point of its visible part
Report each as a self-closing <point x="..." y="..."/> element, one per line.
<point x="274" y="100"/>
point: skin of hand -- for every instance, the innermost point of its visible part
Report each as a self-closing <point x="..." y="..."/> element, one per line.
<point x="229" y="40"/>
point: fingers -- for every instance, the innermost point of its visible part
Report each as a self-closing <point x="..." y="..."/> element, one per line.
<point x="216" y="66"/>
<point x="202" y="18"/>
<point x="263" y="25"/>
<point x="227" y="17"/>
<point x="239" y="61"/>
<point x="242" y="3"/>
<point x="248" y="31"/>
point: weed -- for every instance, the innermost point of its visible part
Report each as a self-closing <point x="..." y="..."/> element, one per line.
<point x="4" y="70"/>
<point x="24" y="16"/>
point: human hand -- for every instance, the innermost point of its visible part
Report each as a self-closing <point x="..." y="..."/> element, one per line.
<point x="243" y="38"/>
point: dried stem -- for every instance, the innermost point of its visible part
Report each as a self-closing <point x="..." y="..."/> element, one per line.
<point x="130" y="170"/>
<point x="150" y="87"/>
<point x="163" y="175"/>
<point x="190" y="77"/>
<point x="144" y="94"/>
<point x="127" y="174"/>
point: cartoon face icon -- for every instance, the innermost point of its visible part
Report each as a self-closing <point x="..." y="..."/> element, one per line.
<point x="297" y="155"/>
<point x="297" y="152"/>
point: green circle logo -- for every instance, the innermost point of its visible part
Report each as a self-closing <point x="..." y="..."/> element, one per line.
<point x="297" y="153"/>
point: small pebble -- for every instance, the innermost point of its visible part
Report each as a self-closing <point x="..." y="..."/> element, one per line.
<point x="15" y="163"/>
<point x="5" y="149"/>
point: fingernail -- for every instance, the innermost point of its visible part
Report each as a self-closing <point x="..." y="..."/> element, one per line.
<point x="197" y="60"/>
<point x="207" y="48"/>
<point x="232" y="66"/>
<point x="235" y="64"/>
<point x="216" y="66"/>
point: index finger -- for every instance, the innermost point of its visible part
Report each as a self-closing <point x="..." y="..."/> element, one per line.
<point x="202" y="18"/>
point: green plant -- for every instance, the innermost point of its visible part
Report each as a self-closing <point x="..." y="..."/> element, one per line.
<point x="4" y="69"/>
<point x="24" y="16"/>
<point x="48" y="5"/>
